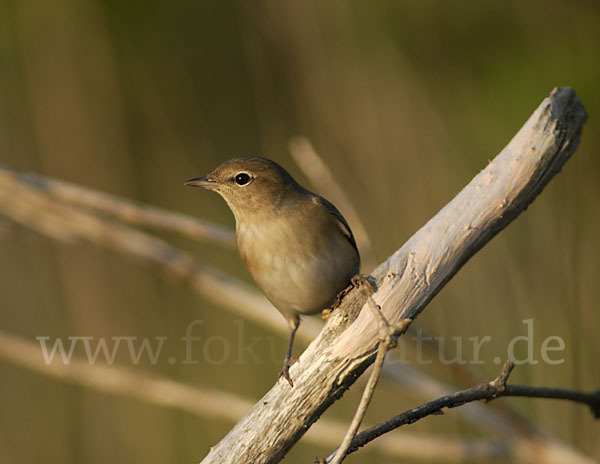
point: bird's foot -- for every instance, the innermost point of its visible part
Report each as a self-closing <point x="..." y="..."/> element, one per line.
<point x="364" y="279"/>
<point x="285" y="370"/>
<point x="359" y="280"/>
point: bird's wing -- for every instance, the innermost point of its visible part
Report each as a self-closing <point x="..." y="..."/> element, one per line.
<point x="339" y="219"/>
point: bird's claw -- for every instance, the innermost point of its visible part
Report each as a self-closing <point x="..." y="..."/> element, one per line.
<point x="285" y="371"/>
<point x="364" y="279"/>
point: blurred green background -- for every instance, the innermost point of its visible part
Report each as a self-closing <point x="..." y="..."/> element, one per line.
<point x="405" y="101"/>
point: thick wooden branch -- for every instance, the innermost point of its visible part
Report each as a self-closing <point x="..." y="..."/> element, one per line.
<point x="407" y="281"/>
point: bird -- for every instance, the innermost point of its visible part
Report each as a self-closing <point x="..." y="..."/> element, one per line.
<point x="296" y="245"/>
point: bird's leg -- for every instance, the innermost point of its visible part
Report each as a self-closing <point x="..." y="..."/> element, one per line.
<point x="287" y="362"/>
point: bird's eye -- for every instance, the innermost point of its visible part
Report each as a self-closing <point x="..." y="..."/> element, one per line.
<point x="242" y="178"/>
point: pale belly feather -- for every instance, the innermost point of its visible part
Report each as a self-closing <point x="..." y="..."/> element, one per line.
<point x="296" y="282"/>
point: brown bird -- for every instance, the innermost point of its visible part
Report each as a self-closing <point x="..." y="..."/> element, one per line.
<point x="297" y="246"/>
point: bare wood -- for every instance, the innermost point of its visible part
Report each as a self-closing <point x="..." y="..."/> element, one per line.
<point x="407" y="281"/>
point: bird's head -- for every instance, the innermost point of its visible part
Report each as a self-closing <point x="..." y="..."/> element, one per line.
<point x="250" y="185"/>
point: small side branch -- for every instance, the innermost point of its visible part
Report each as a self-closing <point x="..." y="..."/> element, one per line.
<point x="497" y="388"/>
<point x="388" y="336"/>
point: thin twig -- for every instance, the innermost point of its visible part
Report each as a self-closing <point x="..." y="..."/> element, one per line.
<point x="122" y="380"/>
<point x="487" y="391"/>
<point x="130" y="211"/>
<point x="364" y="403"/>
<point x="388" y="339"/>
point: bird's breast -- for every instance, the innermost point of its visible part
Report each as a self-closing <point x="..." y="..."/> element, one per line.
<point x="298" y="268"/>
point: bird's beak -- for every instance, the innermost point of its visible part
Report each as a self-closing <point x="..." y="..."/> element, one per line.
<point x="204" y="181"/>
